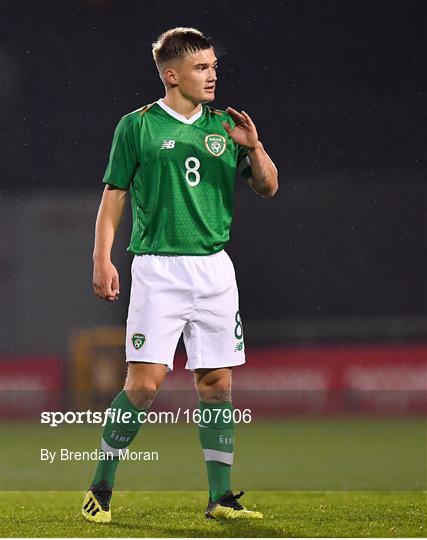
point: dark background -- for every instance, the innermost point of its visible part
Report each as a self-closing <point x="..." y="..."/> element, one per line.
<point x="336" y="91"/>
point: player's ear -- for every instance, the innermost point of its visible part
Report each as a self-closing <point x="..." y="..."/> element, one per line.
<point x="170" y="76"/>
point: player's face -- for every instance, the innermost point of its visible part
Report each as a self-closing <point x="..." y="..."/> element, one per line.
<point x="197" y="76"/>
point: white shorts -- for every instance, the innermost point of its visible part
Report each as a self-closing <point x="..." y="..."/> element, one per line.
<point x="194" y="294"/>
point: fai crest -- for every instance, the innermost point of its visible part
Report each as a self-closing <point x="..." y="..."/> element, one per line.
<point x="138" y="340"/>
<point x="216" y="144"/>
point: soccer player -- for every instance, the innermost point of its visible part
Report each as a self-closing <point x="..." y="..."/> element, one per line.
<point x="179" y="158"/>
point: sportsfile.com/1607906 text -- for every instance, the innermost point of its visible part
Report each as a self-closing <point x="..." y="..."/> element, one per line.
<point x="228" y="416"/>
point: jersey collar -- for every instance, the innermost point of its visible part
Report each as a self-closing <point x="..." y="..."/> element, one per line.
<point x="178" y="116"/>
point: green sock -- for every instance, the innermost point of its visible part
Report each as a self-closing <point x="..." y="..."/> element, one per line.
<point x="216" y="433"/>
<point x="218" y="478"/>
<point x="116" y="436"/>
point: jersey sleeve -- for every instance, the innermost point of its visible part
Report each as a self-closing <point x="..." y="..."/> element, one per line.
<point x="123" y="161"/>
<point x="243" y="163"/>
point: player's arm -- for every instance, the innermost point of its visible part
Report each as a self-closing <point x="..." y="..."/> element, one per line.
<point x="105" y="275"/>
<point x="121" y="167"/>
<point x="264" y="175"/>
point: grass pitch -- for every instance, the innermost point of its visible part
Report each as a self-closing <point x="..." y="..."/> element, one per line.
<point x="290" y="455"/>
<point x="327" y="478"/>
<point x="180" y="514"/>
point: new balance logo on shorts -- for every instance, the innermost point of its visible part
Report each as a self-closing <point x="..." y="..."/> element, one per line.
<point x="239" y="346"/>
<point x="167" y="144"/>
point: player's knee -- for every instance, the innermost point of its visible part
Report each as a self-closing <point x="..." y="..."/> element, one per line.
<point x="217" y="390"/>
<point x="141" y="392"/>
<point x="144" y="387"/>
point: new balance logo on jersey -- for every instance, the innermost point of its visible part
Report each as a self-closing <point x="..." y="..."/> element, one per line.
<point x="167" y="144"/>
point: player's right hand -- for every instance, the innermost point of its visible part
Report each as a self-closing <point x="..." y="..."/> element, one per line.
<point x="106" y="281"/>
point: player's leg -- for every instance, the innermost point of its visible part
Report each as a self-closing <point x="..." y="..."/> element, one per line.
<point x="214" y="343"/>
<point x="216" y="432"/>
<point x="142" y="384"/>
<point x="216" y="428"/>
<point x="156" y="317"/>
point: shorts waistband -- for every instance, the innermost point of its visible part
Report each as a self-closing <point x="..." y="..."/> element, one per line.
<point x="166" y="256"/>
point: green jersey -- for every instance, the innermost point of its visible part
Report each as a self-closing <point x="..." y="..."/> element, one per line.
<point x="181" y="174"/>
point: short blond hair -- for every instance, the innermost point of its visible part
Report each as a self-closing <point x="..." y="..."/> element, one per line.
<point x="178" y="42"/>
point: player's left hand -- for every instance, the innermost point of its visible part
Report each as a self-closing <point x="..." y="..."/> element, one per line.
<point x="244" y="132"/>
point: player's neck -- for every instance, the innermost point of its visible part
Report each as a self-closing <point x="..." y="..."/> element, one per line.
<point x="181" y="105"/>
